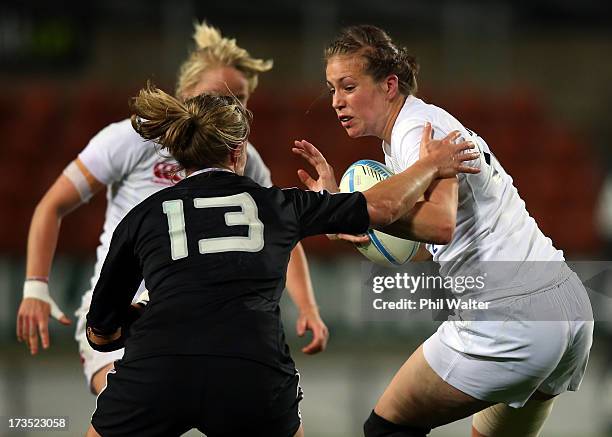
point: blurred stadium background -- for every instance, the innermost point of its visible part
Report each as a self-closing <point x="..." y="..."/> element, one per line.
<point x="533" y="78"/>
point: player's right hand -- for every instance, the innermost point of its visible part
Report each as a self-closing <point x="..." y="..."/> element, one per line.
<point x="33" y="320"/>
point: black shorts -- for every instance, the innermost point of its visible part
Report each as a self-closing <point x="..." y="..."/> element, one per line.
<point x="220" y="396"/>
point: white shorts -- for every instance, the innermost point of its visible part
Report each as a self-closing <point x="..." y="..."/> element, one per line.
<point x="91" y="359"/>
<point x="506" y="361"/>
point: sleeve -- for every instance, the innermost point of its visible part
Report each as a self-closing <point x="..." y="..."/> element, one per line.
<point x="119" y="280"/>
<point x="407" y="142"/>
<point x="325" y="213"/>
<point x="110" y="154"/>
<point x="256" y="169"/>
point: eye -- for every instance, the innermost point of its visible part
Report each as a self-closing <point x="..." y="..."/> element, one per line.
<point x="331" y="91"/>
<point x="349" y="88"/>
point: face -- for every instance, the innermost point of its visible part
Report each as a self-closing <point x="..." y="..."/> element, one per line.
<point x="222" y="81"/>
<point x="359" y="102"/>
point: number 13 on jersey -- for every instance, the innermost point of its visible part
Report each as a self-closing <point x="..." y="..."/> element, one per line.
<point x="247" y="216"/>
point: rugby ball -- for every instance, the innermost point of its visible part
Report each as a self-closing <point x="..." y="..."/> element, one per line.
<point x="383" y="249"/>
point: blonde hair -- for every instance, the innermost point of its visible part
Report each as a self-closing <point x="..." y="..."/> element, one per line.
<point x="200" y="132"/>
<point x="213" y="50"/>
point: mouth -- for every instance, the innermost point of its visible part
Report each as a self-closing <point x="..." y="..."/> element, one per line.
<point x="345" y="120"/>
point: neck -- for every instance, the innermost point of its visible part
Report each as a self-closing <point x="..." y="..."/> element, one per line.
<point x="394" y="111"/>
<point x="190" y="171"/>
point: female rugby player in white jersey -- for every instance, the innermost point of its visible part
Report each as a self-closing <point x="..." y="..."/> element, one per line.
<point x="132" y="170"/>
<point x="488" y="368"/>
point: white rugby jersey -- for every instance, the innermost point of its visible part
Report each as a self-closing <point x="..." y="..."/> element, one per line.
<point x="133" y="169"/>
<point x="492" y="222"/>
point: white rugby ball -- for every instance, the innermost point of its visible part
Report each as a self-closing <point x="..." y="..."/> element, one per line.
<point x="383" y="249"/>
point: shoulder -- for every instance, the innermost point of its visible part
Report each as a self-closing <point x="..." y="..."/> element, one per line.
<point x="121" y="131"/>
<point x="120" y="138"/>
<point x="114" y="151"/>
<point x="413" y="117"/>
<point x="414" y="114"/>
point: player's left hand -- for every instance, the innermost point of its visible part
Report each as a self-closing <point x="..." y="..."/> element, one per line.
<point x="326" y="179"/>
<point x="355" y="239"/>
<point x="311" y="321"/>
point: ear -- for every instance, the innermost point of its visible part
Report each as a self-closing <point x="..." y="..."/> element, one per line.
<point x="235" y="154"/>
<point x="391" y="86"/>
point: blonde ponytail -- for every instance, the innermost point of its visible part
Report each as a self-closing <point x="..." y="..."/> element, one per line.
<point x="198" y="133"/>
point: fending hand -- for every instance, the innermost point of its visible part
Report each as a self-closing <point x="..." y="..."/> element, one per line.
<point x="326" y="179"/>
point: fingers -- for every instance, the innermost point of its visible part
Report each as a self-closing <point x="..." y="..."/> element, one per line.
<point x="307" y="156"/>
<point x="300" y="326"/>
<point x="468" y="169"/>
<point x="310" y="153"/>
<point x="33" y="321"/>
<point x="319" y="340"/>
<point x="450" y="138"/>
<point x="43" y="329"/>
<point x="306" y="179"/>
<point x="58" y="314"/>
<point x="311" y="161"/>
<point x="427" y="133"/>
<point x="467" y="156"/>
<point x="464" y="146"/>
<point x="20" y="330"/>
<point x="315" y="346"/>
<point x="312" y="150"/>
<point x="32" y="336"/>
<point x="356" y="239"/>
<point x="320" y="334"/>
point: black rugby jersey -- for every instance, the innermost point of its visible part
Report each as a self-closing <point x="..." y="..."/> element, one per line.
<point x="213" y="251"/>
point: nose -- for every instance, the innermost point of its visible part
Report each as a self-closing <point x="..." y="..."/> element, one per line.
<point x="338" y="101"/>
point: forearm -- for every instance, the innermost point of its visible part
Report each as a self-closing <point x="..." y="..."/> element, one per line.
<point x="432" y="220"/>
<point x="395" y="197"/>
<point x="423" y="224"/>
<point x="61" y="199"/>
<point x="299" y="285"/>
<point x="42" y="240"/>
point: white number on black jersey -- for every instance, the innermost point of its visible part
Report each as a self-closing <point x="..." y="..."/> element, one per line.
<point x="248" y="216"/>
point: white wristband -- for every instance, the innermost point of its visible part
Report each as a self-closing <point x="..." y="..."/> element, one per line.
<point x="40" y="290"/>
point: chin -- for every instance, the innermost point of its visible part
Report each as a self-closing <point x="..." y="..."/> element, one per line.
<point x="354" y="133"/>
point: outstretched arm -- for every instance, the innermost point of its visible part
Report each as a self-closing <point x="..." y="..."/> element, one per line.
<point x="396" y="196"/>
<point x="326" y="181"/>
<point x="33" y="316"/>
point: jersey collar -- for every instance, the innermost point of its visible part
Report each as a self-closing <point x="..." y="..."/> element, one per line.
<point x="207" y="170"/>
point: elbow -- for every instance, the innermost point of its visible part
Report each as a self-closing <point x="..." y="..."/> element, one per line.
<point x="49" y="209"/>
<point x="444" y="233"/>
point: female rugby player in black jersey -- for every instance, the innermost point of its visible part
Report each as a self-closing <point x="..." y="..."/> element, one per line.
<point x="209" y="351"/>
